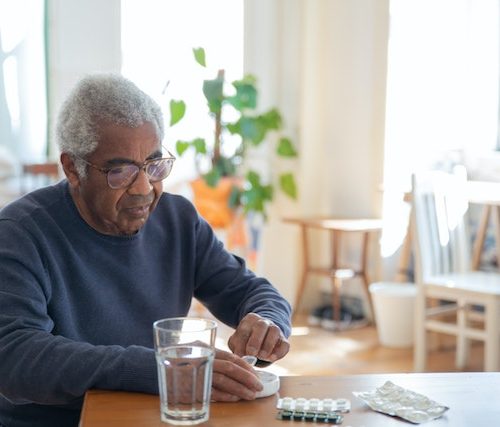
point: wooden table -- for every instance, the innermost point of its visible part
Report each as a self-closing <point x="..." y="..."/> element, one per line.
<point x="488" y="195"/>
<point x="471" y="397"/>
<point x="336" y="271"/>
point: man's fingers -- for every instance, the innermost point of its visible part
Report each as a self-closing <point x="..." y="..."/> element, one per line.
<point x="237" y="343"/>
<point x="280" y="350"/>
<point x="259" y="333"/>
<point x="233" y="378"/>
<point x="225" y="384"/>
<point x="255" y="336"/>
<point x="224" y="355"/>
<point x="273" y="336"/>
<point x="221" y="396"/>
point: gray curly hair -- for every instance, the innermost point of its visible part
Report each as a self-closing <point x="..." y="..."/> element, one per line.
<point x="97" y="99"/>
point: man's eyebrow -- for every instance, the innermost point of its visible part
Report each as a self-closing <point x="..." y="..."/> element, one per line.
<point x="123" y="161"/>
<point x="156" y="155"/>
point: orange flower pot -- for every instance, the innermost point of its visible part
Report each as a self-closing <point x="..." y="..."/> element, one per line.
<point x="212" y="203"/>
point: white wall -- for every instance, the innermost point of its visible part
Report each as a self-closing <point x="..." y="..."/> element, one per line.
<point x="84" y="37"/>
<point x="323" y="63"/>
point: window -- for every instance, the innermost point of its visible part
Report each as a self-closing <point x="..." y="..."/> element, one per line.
<point x="23" y="97"/>
<point x="442" y="93"/>
<point x="157" y="41"/>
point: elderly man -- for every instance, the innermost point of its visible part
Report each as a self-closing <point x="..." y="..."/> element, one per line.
<point x="88" y="264"/>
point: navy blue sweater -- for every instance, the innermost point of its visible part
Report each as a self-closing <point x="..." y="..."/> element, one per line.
<point x="77" y="306"/>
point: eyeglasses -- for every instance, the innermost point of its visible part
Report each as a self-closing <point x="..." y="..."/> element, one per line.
<point x="124" y="175"/>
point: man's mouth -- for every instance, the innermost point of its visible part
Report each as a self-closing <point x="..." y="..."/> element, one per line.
<point x="138" y="211"/>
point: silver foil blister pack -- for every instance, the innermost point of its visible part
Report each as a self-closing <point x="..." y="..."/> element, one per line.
<point x="397" y="401"/>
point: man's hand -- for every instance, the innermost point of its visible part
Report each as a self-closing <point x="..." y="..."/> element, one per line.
<point x="258" y="337"/>
<point x="233" y="379"/>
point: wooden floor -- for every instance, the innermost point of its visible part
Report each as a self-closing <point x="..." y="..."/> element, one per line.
<point x="316" y="351"/>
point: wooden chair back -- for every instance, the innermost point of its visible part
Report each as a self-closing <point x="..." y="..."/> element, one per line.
<point x="36" y="175"/>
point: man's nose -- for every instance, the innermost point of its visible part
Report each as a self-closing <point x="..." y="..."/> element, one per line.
<point x="142" y="185"/>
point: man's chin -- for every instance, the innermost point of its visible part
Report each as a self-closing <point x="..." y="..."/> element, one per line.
<point x="132" y="227"/>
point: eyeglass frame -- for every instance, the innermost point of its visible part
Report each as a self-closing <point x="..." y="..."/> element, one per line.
<point x="141" y="167"/>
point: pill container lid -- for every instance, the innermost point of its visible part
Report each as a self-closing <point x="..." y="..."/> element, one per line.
<point x="270" y="382"/>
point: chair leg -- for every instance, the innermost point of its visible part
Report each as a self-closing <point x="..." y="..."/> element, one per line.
<point x="366" y="288"/>
<point x="462" y="351"/>
<point x="364" y="277"/>
<point x="299" y="293"/>
<point x="305" y="271"/>
<point x="492" y="342"/>
<point x="336" y="303"/>
<point x="420" y="346"/>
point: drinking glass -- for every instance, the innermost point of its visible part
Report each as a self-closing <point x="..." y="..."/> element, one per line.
<point x="185" y="349"/>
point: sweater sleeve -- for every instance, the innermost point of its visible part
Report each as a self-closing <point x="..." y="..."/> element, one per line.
<point x="41" y="367"/>
<point x="230" y="290"/>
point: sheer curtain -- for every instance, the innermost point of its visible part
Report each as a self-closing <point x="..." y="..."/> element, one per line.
<point x="442" y="94"/>
<point x="23" y="98"/>
<point x="323" y="64"/>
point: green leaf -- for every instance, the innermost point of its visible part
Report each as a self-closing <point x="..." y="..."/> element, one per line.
<point x="286" y="148"/>
<point x="181" y="147"/>
<point x="248" y="79"/>
<point x="255" y="195"/>
<point x="199" y="145"/>
<point x="253" y="178"/>
<point x="250" y="129"/>
<point x="226" y="165"/>
<point x="272" y="119"/>
<point x="234" y="128"/>
<point x="212" y="89"/>
<point x="199" y="56"/>
<point x="177" y="111"/>
<point x="245" y="97"/>
<point x="287" y="184"/>
<point x="234" y="197"/>
<point x="255" y="129"/>
<point x="212" y="177"/>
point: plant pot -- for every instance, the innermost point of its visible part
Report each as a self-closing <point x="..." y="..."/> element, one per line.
<point x="229" y="224"/>
<point x="212" y="203"/>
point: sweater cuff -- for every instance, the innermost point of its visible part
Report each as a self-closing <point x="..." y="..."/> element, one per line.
<point x="139" y="371"/>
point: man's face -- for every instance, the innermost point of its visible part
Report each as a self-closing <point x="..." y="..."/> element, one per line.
<point x="119" y="211"/>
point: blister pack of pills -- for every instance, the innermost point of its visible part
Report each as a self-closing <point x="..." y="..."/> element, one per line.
<point x="318" y="417"/>
<point x="314" y="405"/>
<point x="314" y="410"/>
<point x="397" y="401"/>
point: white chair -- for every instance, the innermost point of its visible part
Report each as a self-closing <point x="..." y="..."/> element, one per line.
<point x="451" y="299"/>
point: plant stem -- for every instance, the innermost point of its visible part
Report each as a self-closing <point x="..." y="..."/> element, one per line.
<point x="218" y="127"/>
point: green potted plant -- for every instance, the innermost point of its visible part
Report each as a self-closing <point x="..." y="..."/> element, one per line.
<point x="226" y="169"/>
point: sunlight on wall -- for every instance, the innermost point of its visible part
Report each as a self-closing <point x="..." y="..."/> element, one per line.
<point x="157" y="41"/>
<point x="442" y="99"/>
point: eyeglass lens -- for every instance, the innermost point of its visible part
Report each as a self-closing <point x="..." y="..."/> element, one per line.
<point x="124" y="175"/>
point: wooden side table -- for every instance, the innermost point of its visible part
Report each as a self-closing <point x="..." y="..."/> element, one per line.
<point x="488" y="195"/>
<point x="335" y="271"/>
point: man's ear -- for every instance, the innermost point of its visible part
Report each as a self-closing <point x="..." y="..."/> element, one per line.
<point x="70" y="170"/>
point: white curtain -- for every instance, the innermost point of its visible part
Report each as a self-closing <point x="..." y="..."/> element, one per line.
<point x="23" y="101"/>
<point x="442" y="94"/>
<point x="323" y="64"/>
